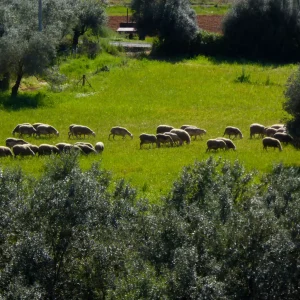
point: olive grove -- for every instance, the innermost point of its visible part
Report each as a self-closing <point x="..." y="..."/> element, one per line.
<point x="220" y="233"/>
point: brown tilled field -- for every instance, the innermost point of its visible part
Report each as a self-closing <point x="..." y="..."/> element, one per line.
<point x="210" y="23"/>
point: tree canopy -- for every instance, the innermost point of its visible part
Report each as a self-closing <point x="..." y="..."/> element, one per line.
<point x="268" y="29"/>
<point x="27" y="51"/>
<point x="173" y="21"/>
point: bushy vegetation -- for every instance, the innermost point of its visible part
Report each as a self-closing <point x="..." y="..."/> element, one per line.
<point x="292" y="103"/>
<point x="220" y="234"/>
<point x="173" y="21"/>
<point x="263" y="29"/>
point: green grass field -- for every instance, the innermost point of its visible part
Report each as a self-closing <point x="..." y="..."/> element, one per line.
<point x="200" y="9"/>
<point x="141" y="94"/>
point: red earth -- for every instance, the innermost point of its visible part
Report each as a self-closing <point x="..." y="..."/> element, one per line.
<point x="212" y="23"/>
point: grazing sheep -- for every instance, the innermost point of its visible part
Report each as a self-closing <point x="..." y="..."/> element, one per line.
<point x="194" y="131"/>
<point x="147" y="139"/>
<point x="86" y="149"/>
<point x="69" y="148"/>
<point x="27" y="129"/>
<point x="35" y="125"/>
<point x="216" y="144"/>
<point x="46" y="129"/>
<point x="119" y="131"/>
<point x="10" y="142"/>
<point x="284" y="137"/>
<point x="282" y="129"/>
<point x="163" y="139"/>
<point x="228" y="142"/>
<point x="176" y="139"/>
<point x="271" y="142"/>
<point x="277" y="126"/>
<point x="22" y="150"/>
<point x="84" y="143"/>
<point x="99" y="147"/>
<point x="163" y="128"/>
<point x="183" y="135"/>
<point x="34" y="148"/>
<point x="46" y="149"/>
<point x="61" y="146"/>
<point x="5" y="151"/>
<point x="16" y="129"/>
<point x="258" y="129"/>
<point x="185" y="126"/>
<point x="229" y="130"/>
<point x="270" y="131"/>
<point x="79" y="130"/>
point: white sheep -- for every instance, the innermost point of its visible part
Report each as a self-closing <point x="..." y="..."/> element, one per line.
<point x="195" y="131"/>
<point x="10" y="142"/>
<point x="79" y="130"/>
<point x="16" y="129"/>
<point x="216" y="144"/>
<point x="183" y="135"/>
<point x="46" y="130"/>
<point x="117" y="130"/>
<point x="46" y="149"/>
<point x="228" y="142"/>
<point x="270" y="131"/>
<point x="22" y="150"/>
<point x="230" y="130"/>
<point x="163" y="128"/>
<point x="99" y="147"/>
<point x="26" y="129"/>
<point x="5" y="151"/>
<point x="185" y="126"/>
<point x="34" y="148"/>
<point x="277" y="126"/>
<point x="61" y="146"/>
<point x="176" y="139"/>
<point x="86" y="149"/>
<point x="271" y="142"/>
<point x="164" y="139"/>
<point x="35" y="125"/>
<point x="284" y="137"/>
<point x="146" y="138"/>
<point x="257" y="129"/>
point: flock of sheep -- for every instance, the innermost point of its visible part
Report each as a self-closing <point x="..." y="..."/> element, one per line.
<point x="19" y="147"/>
<point x="271" y="136"/>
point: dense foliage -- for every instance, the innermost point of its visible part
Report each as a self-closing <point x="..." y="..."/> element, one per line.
<point x="28" y="47"/>
<point x="292" y="103"/>
<point x="220" y="234"/>
<point x="263" y="29"/>
<point x="173" y="21"/>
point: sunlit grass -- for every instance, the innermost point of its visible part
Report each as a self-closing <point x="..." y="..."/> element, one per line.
<point x="140" y="95"/>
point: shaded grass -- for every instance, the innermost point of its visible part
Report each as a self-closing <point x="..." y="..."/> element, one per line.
<point x="141" y="94"/>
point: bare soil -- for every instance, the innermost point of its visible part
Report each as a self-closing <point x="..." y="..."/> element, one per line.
<point x="211" y="23"/>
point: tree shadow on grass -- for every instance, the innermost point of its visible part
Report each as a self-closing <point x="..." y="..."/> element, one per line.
<point x="22" y="101"/>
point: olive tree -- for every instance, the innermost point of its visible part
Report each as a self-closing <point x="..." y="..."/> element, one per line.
<point x="292" y="103"/>
<point x="173" y="21"/>
<point x="90" y="14"/>
<point x="266" y="29"/>
<point x="24" y="49"/>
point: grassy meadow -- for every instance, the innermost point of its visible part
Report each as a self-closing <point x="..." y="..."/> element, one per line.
<point x="141" y="94"/>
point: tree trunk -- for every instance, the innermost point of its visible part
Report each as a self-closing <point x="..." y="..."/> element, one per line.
<point x="15" y="88"/>
<point x="75" y="39"/>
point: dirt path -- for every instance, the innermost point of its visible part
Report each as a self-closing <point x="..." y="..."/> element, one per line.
<point x="212" y="23"/>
